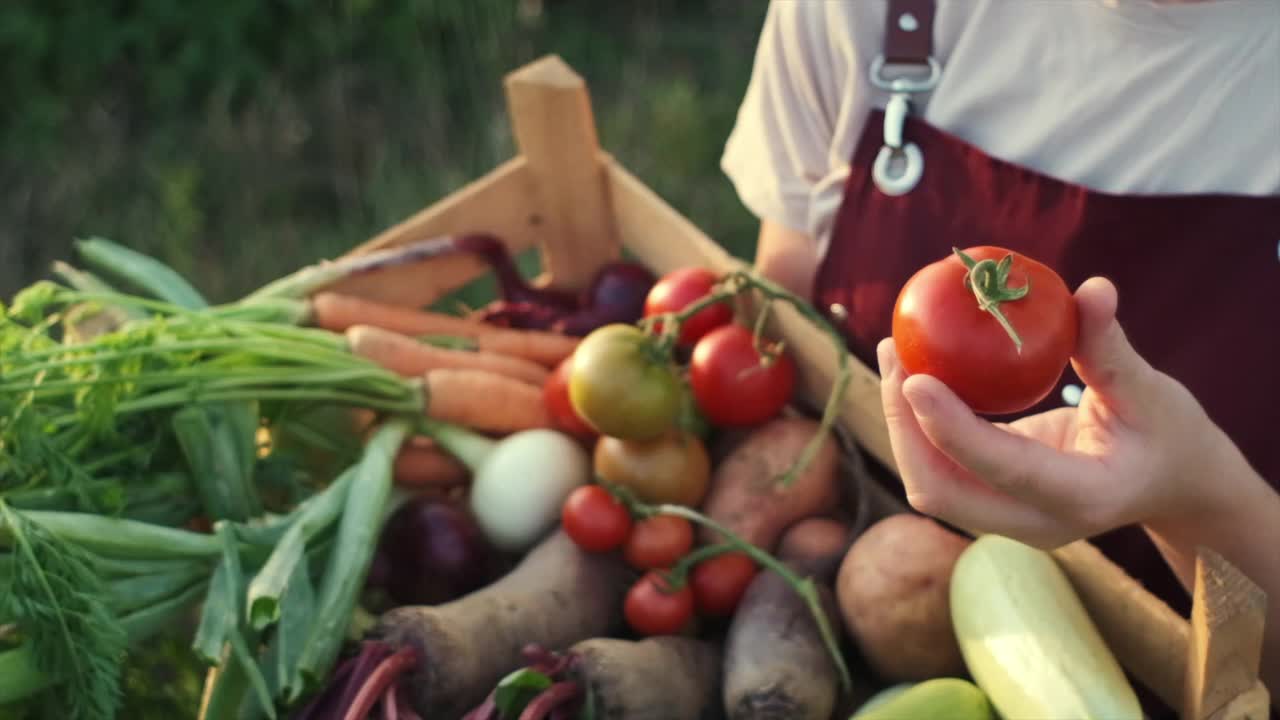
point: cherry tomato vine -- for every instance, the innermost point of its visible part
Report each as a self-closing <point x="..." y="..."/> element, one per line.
<point x="665" y="328"/>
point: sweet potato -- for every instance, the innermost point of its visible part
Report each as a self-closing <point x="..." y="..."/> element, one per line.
<point x="745" y="494"/>
<point x="659" y="678"/>
<point x="776" y="665"/>
<point x="893" y="589"/>
<point x="558" y="595"/>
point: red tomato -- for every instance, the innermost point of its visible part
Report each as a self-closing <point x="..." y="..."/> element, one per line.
<point x="940" y="330"/>
<point x="719" y="583"/>
<point x="595" y="520"/>
<point x="658" y="542"/>
<point x="652" y="608"/>
<point x="732" y="383"/>
<point x="555" y="395"/>
<point x="676" y="290"/>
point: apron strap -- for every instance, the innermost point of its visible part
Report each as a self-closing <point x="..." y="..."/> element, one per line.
<point x="908" y="32"/>
<point x="908" y="41"/>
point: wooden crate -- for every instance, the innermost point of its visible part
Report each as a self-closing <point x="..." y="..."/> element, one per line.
<point x="581" y="208"/>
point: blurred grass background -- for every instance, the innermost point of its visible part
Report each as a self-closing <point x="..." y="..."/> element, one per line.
<point x="240" y="139"/>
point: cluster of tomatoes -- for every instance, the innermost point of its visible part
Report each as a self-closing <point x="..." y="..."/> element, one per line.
<point x="619" y="385"/>
<point x="595" y="520"/>
<point x="647" y="414"/>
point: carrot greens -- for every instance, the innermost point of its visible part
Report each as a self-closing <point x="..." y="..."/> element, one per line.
<point x="123" y="418"/>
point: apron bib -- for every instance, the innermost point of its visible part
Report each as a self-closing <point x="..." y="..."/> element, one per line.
<point x="1160" y="251"/>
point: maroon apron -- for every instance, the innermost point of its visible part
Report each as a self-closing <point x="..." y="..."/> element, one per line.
<point x="1160" y="251"/>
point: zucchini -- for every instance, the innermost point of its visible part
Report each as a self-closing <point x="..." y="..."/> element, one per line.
<point x="936" y="699"/>
<point x="1028" y="641"/>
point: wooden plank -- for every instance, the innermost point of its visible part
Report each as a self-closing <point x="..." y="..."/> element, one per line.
<point x="1254" y="704"/>
<point x="1148" y="638"/>
<point x="663" y="239"/>
<point x="1227" y="621"/>
<point x="501" y="202"/>
<point x="550" y="112"/>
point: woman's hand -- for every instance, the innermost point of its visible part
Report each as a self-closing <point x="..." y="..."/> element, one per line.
<point x="1137" y="449"/>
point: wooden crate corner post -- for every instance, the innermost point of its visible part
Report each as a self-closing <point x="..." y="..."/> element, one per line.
<point x="555" y="131"/>
<point x="1225" y="648"/>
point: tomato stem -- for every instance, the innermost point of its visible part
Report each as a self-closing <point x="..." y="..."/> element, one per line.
<point x="804" y="587"/>
<point x="989" y="282"/>
<point x="679" y="574"/>
<point x="740" y="281"/>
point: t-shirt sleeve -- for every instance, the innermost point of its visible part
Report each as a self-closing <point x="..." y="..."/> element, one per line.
<point x="778" y="150"/>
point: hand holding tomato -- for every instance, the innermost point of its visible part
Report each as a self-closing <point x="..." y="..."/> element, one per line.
<point x="1137" y="449"/>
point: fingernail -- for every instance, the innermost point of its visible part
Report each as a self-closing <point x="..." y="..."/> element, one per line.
<point x="921" y="400"/>
<point x="886" y="357"/>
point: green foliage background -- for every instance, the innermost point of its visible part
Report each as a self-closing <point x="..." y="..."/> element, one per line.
<point x="239" y="139"/>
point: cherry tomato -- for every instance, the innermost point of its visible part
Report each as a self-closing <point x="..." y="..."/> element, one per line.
<point x="620" y="387"/>
<point x="940" y="330"/>
<point x="652" y="608"/>
<point x="733" y="384"/>
<point x="555" y="395"/>
<point x="658" y="542"/>
<point x="672" y="469"/>
<point x="595" y="520"/>
<point x="676" y="290"/>
<point x="720" y="582"/>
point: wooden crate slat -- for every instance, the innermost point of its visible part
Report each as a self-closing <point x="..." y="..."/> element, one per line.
<point x="550" y="113"/>
<point x="501" y="202"/>
<point x="1227" y="621"/>
<point x="1254" y="704"/>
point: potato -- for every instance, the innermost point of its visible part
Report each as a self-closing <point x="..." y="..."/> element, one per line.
<point x="745" y="494"/>
<point x="816" y="546"/>
<point x="893" y="589"/>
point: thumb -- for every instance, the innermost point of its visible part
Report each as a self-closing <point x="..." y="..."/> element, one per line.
<point x="1104" y="359"/>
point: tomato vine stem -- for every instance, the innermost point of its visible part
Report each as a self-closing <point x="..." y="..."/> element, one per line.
<point x="734" y="284"/>
<point x="989" y="282"/>
<point x="804" y="587"/>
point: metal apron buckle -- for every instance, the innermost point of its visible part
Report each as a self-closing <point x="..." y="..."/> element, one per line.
<point x="908" y="156"/>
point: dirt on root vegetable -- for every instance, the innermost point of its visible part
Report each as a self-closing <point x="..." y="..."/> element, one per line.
<point x="558" y="595"/>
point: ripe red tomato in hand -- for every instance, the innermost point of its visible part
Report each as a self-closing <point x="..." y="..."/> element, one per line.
<point x="595" y="520"/>
<point x="652" y="608"/>
<point x="720" y="582"/>
<point x="939" y="329"/>
<point x="658" y="542"/>
<point x="732" y="383"/>
<point x="676" y="290"/>
<point x="555" y="395"/>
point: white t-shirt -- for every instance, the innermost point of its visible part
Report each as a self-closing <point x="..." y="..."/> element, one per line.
<point x="1122" y="96"/>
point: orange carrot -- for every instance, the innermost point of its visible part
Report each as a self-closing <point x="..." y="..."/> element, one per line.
<point x="336" y="313"/>
<point x="410" y="358"/>
<point x="424" y="465"/>
<point x="484" y="401"/>
<point x="545" y="348"/>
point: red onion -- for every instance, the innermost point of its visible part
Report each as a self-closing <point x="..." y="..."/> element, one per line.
<point x="616" y="295"/>
<point x="511" y="284"/>
<point x="436" y="553"/>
